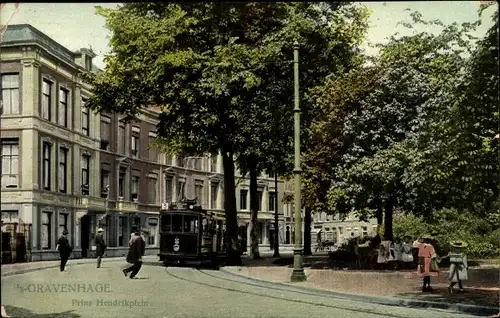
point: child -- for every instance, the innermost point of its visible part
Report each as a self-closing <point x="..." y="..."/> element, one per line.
<point x="383" y="255"/>
<point x="427" y="265"/>
<point x="458" y="265"/>
<point x="397" y="248"/>
<point x="407" y="252"/>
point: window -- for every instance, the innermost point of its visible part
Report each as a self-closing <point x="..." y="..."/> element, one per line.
<point x="243" y="199"/>
<point x="180" y="161"/>
<point x="47" y="99"/>
<point x="121" y="136"/>
<point x="181" y="190"/>
<point x="153" y="187"/>
<point x="271" y="174"/>
<point x="190" y="224"/>
<point x="153" y="151"/>
<point x="196" y="165"/>
<point x="10" y="94"/>
<point x="134" y="193"/>
<point x="63" y="170"/>
<point x="104" y="183"/>
<point x="85" y="118"/>
<point x="198" y="192"/>
<point x="152" y="235"/>
<point x="10" y="163"/>
<point x="10" y="216"/>
<point x="121" y="230"/>
<point x="63" y="107"/>
<point x="135" y="141"/>
<point x="85" y="164"/>
<point x="46" y="175"/>
<point x="168" y="189"/>
<point x="46" y="237"/>
<point x="213" y="163"/>
<point x="168" y="159"/>
<point x="63" y="222"/>
<point x="105" y="132"/>
<point x="176" y="223"/>
<point x="272" y="196"/>
<point x="121" y="184"/>
<point x="365" y="231"/>
<point x="166" y="223"/>
<point x="214" y="191"/>
<point x="259" y="200"/>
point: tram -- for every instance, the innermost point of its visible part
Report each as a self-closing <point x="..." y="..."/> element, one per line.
<point x="190" y="235"/>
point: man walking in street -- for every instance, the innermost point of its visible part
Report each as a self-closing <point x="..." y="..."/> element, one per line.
<point x="137" y="248"/>
<point x="100" y="246"/>
<point x="64" y="249"/>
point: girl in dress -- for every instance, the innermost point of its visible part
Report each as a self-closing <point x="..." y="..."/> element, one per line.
<point x="407" y="253"/>
<point x="458" y="265"/>
<point x="427" y="261"/>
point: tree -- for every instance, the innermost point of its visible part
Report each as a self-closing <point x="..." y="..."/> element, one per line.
<point x="393" y="109"/>
<point x="203" y="64"/>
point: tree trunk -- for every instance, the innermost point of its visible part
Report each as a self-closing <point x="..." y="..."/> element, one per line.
<point x="276" y="222"/>
<point x="254" y="223"/>
<point x="380" y="214"/>
<point x="307" y="231"/>
<point x="233" y="254"/>
<point x="389" y="209"/>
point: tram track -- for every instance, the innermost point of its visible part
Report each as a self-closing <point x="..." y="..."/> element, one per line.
<point x="277" y="289"/>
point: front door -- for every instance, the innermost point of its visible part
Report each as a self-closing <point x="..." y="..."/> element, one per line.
<point x="85" y="235"/>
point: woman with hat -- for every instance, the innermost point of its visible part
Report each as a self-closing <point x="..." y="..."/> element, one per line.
<point x="458" y="265"/>
<point x="427" y="261"/>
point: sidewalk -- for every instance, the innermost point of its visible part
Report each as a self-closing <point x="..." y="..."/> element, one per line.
<point x="481" y="295"/>
<point x="21" y="268"/>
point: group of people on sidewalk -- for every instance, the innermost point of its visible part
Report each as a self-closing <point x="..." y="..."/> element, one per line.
<point x="427" y="259"/>
<point x="137" y="249"/>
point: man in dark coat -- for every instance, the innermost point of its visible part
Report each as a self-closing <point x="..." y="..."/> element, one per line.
<point x="100" y="246"/>
<point x="64" y="249"/>
<point x="137" y="248"/>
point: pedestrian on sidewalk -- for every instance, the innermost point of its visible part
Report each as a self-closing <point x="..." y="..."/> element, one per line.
<point x="458" y="265"/>
<point x="427" y="261"/>
<point x="100" y="246"/>
<point x="383" y="255"/>
<point x="397" y="248"/>
<point x="137" y="248"/>
<point x="64" y="249"/>
<point x="407" y="253"/>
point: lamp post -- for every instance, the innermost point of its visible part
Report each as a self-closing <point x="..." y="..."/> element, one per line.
<point x="298" y="274"/>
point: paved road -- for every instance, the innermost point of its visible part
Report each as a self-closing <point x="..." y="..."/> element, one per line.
<point x="173" y="292"/>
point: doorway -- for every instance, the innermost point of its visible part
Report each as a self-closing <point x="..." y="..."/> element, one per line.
<point x="85" y="235"/>
<point x="242" y="233"/>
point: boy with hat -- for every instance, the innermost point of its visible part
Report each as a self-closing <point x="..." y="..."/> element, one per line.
<point x="100" y="246"/>
<point x="64" y="249"/>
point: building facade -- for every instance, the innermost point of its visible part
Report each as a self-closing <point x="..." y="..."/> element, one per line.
<point x="65" y="167"/>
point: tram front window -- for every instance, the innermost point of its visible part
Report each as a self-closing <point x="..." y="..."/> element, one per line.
<point x="176" y="223"/>
<point x="190" y="224"/>
<point x="166" y="223"/>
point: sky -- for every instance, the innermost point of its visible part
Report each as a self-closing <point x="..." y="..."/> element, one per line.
<point x="75" y="25"/>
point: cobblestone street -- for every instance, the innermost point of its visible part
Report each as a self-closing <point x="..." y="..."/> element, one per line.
<point x="84" y="291"/>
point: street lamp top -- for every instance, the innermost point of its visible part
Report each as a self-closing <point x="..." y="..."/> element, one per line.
<point x="296" y="45"/>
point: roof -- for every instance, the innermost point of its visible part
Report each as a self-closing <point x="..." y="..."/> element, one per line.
<point x="28" y="34"/>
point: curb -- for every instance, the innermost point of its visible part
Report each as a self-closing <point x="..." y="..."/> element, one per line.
<point x="77" y="262"/>
<point x="380" y="300"/>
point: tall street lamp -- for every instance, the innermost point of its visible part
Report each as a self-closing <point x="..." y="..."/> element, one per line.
<point x="298" y="274"/>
